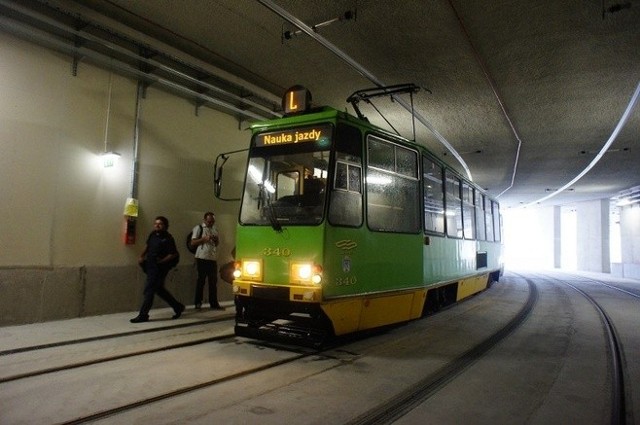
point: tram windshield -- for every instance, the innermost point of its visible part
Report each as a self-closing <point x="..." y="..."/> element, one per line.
<point x="286" y="178"/>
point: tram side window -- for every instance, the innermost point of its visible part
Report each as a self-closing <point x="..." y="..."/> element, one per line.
<point x="496" y="221"/>
<point x="454" y="205"/>
<point x="347" y="173"/>
<point x="488" y="220"/>
<point x="481" y="230"/>
<point x="468" y="211"/>
<point x="433" y="196"/>
<point x="345" y="207"/>
<point x="392" y="187"/>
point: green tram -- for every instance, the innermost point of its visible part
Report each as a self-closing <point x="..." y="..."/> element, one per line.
<point x="346" y="227"/>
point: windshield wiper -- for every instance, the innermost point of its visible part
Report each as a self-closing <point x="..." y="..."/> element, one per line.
<point x="265" y="200"/>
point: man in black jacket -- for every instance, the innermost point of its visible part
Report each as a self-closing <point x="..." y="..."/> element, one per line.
<point x="156" y="259"/>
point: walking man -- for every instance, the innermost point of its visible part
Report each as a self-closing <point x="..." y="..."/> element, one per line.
<point x="156" y="260"/>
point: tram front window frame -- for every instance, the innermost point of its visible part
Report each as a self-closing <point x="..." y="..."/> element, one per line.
<point x="286" y="184"/>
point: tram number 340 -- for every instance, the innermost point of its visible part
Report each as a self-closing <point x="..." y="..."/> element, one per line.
<point x="346" y="280"/>
<point x="276" y="252"/>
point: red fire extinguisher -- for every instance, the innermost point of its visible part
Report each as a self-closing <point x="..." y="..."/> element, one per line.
<point x="130" y="217"/>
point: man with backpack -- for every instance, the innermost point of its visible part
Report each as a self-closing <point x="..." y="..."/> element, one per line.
<point x="204" y="238"/>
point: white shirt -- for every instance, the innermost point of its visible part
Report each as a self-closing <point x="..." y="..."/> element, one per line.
<point x="207" y="250"/>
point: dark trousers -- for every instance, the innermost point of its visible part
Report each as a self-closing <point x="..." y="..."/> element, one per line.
<point x="207" y="270"/>
<point x="155" y="285"/>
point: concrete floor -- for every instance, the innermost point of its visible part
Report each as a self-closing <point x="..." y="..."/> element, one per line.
<point x="551" y="370"/>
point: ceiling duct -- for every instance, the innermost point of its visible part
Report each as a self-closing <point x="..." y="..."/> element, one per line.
<point x="82" y="39"/>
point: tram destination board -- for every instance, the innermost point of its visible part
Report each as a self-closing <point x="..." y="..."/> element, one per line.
<point x="313" y="134"/>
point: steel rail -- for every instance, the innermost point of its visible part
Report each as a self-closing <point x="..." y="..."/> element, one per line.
<point x="114" y="357"/>
<point x="413" y="396"/>
<point x="109" y="336"/>
<point x="618" y="397"/>
<point x="190" y="388"/>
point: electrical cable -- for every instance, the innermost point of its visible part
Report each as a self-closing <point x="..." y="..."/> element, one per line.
<point x="269" y="4"/>
<point x="612" y="138"/>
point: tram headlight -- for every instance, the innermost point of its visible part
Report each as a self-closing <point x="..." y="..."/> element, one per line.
<point x="305" y="273"/>
<point x="249" y="269"/>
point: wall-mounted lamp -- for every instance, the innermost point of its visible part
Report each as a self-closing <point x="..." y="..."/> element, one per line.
<point x="109" y="159"/>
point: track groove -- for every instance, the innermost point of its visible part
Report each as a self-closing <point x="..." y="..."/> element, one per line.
<point x="410" y="398"/>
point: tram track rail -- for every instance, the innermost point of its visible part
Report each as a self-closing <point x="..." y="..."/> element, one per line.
<point x="413" y="396"/>
<point x="620" y="414"/>
<point x="624" y="291"/>
<point x="6" y="354"/>
<point x="406" y="399"/>
<point x="298" y="353"/>
<point x="113" y="335"/>
<point x="105" y="359"/>
<point x="614" y="287"/>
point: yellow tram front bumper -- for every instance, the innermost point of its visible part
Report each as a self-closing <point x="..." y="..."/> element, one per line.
<point x="296" y="293"/>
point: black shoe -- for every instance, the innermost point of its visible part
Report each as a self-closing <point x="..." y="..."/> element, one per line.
<point x="178" y="312"/>
<point x="139" y="319"/>
<point x="217" y="307"/>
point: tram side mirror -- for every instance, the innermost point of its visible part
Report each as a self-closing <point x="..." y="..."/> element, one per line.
<point x="217" y="179"/>
<point x="218" y="176"/>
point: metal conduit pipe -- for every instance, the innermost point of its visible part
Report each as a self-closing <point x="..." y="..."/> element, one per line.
<point x="109" y="63"/>
<point x="269" y="4"/>
<point x="136" y="142"/>
<point x="90" y="37"/>
<point x="47" y="39"/>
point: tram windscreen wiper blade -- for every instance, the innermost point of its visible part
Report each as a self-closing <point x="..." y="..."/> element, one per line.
<point x="273" y="219"/>
<point x="265" y="200"/>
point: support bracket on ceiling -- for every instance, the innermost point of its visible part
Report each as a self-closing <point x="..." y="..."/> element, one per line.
<point x="346" y="16"/>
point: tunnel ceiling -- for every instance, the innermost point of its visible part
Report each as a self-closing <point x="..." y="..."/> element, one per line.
<point x="525" y="93"/>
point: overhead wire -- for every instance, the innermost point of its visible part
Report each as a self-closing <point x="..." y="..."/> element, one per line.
<point x="362" y="71"/>
<point x="496" y="93"/>
<point x="603" y="150"/>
